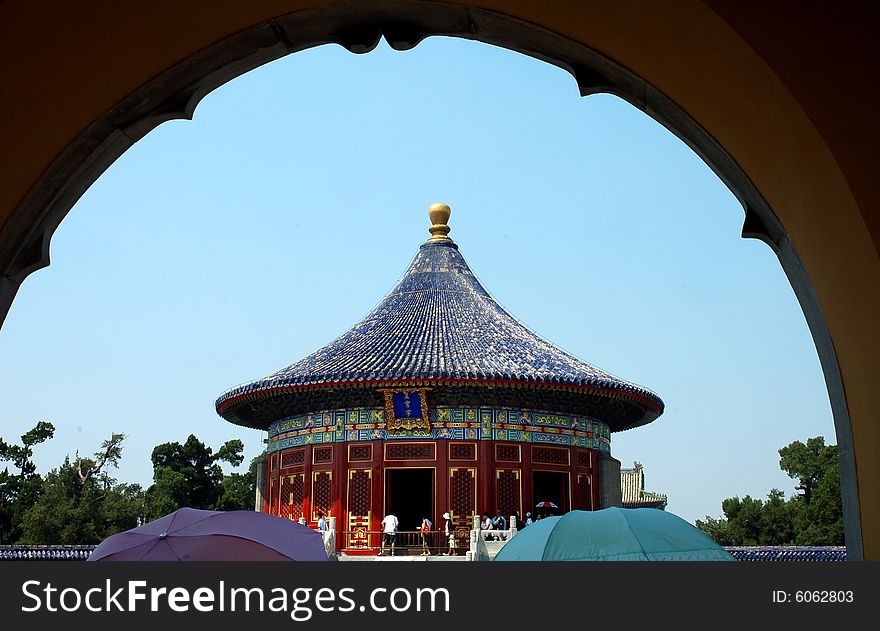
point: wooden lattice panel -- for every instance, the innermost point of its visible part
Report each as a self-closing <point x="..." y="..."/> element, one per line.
<point x="359" y="453"/>
<point x="297" y="496"/>
<point x="322" y="484"/>
<point x="359" y="513"/>
<point x="284" y="498"/>
<point x="550" y="455"/>
<point x="410" y="451"/>
<point x="508" y="492"/>
<point x="462" y="500"/>
<point x="507" y="453"/>
<point x="273" y="496"/>
<point x="584" y="499"/>
<point x="293" y="458"/>
<point x="322" y="455"/>
<point x="273" y="462"/>
<point x="462" y="451"/>
<point x="584" y="459"/>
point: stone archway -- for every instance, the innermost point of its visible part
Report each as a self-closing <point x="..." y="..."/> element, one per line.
<point x="699" y="68"/>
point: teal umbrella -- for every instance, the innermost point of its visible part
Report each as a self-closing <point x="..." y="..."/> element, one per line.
<point x="612" y="534"/>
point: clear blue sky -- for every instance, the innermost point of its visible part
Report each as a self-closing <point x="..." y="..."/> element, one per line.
<point x="221" y="249"/>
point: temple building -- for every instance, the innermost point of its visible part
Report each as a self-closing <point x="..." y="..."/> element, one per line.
<point x="437" y="400"/>
<point x="633" y="493"/>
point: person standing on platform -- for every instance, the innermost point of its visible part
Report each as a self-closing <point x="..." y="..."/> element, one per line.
<point x="449" y="532"/>
<point x="425" y="530"/>
<point x="322" y="523"/>
<point x="389" y="533"/>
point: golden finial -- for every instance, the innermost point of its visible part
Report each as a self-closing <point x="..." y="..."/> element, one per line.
<point x="439" y="215"/>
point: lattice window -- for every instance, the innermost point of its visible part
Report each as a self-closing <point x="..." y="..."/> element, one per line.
<point x="584" y="493"/>
<point x="273" y="462"/>
<point x="409" y="451"/>
<point x="508" y="492"/>
<point x="359" y="493"/>
<point x="322" y="455"/>
<point x="284" y="501"/>
<point x="584" y="458"/>
<point x="462" y="451"/>
<point x="550" y="455"/>
<point x="507" y="453"/>
<point x="462" y="492"/>
<point x="297" y="496"/>
<point x="357" y="453"/>
<point x="293" y="458"/>
<point x="358" y="508"/>
<point x="321" y="493"/>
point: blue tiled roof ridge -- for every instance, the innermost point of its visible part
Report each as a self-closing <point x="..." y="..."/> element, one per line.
<point x="438" y="322"/>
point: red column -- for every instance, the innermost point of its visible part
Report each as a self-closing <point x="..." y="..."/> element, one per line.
<point x="340" y="479"/>
<point x="486" y="477"/>
<point x="441" y="484"/>
<point x="528" y="496"/>
<point x="307" y="490"/>
<point x="378" y="490"/>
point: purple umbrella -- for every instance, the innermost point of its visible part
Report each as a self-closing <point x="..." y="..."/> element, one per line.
<point x="189" y="534"/>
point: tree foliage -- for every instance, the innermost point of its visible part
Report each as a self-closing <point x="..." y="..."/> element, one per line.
<point x="80" y="503"/>
<point x="814" y="517"/>
<point x="807" y="463"/>
<point x="189" y="474"/>
<point x="19" y="491"/>
<point x="239" y="489"/>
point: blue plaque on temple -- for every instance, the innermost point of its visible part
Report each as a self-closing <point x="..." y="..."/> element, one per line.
<point x="407" y="405"/>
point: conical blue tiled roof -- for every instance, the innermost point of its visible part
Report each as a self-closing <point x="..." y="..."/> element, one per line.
<point x="439" y="326"/>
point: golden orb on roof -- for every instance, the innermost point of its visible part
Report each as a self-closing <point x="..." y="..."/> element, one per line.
<point x="439" y="216"/>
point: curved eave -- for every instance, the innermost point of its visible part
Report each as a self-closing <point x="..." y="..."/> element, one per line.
<point x="228" y="403"/>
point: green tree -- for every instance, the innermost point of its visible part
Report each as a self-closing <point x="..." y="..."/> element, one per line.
<point x="743" y="519"/>
<point x="239" y="489"/>
<point x="820" y="523"/>
<point x="777" y="520"/>
<point x="189" y="475"/>
<point x="80" y="503"/>
<point x="18" y="491"/>
<point x="718" y="529"/>
<point x="807" y="463"/>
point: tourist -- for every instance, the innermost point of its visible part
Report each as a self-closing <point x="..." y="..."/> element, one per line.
<point x="302" y="521"/>
<point x="322" y="523"/>
<point x="425" y="529"/>
<point x="529" y="521"/>
<point x="499" y="522"/>
<point x="487" y="524"/>
<point x="389" y="533"/>
<point x="450" y="535"/>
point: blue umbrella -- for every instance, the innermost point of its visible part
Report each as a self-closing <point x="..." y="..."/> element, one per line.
<point x="613" y="534"/>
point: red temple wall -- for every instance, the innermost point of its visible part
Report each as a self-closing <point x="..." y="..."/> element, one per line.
<point x="347" y="480"/>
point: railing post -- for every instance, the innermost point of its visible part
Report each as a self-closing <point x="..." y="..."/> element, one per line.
<point x="330" y="536"/>
<point x="473" y="553"/>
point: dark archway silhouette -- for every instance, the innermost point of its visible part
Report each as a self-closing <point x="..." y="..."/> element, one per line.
<point x="25" y="238"/>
